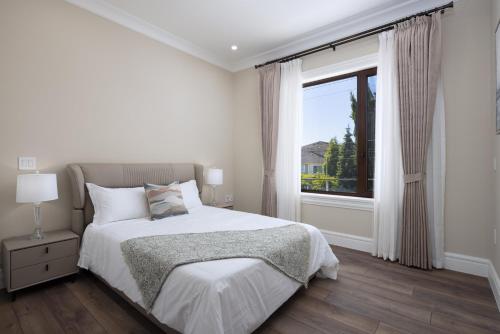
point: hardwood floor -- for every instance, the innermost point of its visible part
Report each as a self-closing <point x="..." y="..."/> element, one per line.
<point x="370" y="296"/>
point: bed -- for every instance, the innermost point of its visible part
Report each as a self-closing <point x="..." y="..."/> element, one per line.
<point x="223" y="296"/>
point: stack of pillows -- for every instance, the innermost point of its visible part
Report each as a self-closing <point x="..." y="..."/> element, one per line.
<point x="155" y="201"/>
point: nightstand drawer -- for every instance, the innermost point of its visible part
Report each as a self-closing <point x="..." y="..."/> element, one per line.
<point x="33" y="255"/>
<point x="43" y="271"/>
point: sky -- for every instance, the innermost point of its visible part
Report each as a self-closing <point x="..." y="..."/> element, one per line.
<point x="327" y="108"/>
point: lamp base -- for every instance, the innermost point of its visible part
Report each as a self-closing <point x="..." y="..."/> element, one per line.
<point x="37" y="234"/>
<point x="214" y="198"/>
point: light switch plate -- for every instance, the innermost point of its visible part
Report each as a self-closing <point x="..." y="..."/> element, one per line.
<point x="26" y="163"/>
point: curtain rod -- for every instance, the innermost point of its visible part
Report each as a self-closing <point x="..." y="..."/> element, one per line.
<point x="354" y="37"/>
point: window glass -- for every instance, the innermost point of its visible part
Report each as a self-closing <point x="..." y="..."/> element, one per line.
<point x="337" y="154"/>
<point x="370" y="127"/>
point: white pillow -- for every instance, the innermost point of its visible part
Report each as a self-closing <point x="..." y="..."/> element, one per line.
<point x="113" y="204"/>
<point x="191" y="195"/>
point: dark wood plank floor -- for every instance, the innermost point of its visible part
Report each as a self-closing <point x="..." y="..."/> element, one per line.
<point x="370" y="296"/>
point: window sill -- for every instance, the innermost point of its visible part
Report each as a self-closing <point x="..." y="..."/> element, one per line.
<point x="337" y="201"/>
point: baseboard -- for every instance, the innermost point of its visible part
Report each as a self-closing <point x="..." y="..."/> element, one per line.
<point x="467" y="264"/>
<point x="453" y="261"/>
<point x="494" y="283"/>
<point x="348" y="241"/>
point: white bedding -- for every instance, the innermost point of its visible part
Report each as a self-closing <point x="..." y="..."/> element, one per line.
<point x="224" y="296"/>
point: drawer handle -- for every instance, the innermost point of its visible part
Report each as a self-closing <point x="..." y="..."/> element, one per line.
<point x="46" y="250"/>
<point x="46" y="267"/>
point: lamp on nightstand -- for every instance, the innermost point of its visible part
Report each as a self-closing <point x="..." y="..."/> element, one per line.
<point x="214" y="179"/>
<point x="36" y="188"/>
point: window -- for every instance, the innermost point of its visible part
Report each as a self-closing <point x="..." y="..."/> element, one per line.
<point x="338" y="141"/>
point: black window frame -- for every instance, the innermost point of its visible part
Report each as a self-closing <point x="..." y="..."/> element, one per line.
<point x="361" y="131"/>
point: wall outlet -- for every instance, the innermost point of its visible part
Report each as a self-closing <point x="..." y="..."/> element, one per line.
<point x="228" y="198"/>
<point x="26" y="163"/>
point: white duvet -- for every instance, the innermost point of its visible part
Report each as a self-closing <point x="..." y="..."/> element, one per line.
<point x="224" y="296"/>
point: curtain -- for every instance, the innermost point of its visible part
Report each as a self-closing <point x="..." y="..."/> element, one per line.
<point x="436" y="166"/>
<point x="289" y="141"/>
<point x="388" y="180"/>
<point x="418" y="59"/>
<point x="269" y="89"/>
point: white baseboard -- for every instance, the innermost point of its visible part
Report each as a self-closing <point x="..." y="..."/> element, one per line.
<point x="494" y="283"/>
<point x="348" y="241"/>
<point x="453" y="261"/>
<point x="467" y="264"/>
<point x="457" y="262"/>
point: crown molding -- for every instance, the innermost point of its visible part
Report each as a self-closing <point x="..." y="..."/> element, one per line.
<point x="346" y="27"/>
<point x="364" y="20"/>
<point x="117" y="15"/>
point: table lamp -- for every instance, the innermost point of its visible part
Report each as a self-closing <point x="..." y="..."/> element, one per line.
<point x="36" y="188"/>
<point x="214" y="179"/>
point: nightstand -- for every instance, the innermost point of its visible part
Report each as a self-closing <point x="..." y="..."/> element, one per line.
<point x="28" y="262"/>
<point x="225" y="205"/>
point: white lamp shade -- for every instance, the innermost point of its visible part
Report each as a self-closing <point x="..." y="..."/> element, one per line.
<point x="35" y="188"/>
<point x="214" y="176"/>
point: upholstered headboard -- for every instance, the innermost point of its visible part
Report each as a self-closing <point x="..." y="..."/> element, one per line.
<point x="121" y="176"/>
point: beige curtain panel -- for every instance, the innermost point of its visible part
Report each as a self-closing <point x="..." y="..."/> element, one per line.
<point x="269" y="88"/>
<point x="418" y="59"/>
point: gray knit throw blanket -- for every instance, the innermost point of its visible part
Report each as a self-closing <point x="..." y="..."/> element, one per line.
<point x="152" y="259"/>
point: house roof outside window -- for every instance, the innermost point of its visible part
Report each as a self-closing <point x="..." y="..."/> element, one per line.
<point x="314" y="153"/>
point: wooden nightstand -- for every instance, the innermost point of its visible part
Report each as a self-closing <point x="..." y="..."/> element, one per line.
<point x="28" y="262"/>
<point x="226" y="205"/>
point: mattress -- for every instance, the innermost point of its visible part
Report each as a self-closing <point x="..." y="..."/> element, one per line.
<point x="223" y="296"/>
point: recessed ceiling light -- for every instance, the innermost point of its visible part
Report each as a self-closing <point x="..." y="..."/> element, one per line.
<point x="234" y="47"/>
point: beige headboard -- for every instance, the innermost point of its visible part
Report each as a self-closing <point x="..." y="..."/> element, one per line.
<point x="121" y="176"/>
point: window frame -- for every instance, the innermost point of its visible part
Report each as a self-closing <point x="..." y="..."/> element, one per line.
<point x="361" y="132"/>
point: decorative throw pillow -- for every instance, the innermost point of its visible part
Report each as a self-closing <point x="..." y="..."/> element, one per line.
<point x="165" y="201"/>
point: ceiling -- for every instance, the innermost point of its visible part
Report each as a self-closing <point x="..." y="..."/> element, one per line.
<point x="262" y="30"/>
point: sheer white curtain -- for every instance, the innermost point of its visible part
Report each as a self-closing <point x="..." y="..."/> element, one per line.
<point x="388" y="183"/>
<point x="289" y="139"/>
<point x="436" y="167"/>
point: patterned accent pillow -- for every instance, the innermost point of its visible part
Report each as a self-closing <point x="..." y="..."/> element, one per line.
<point x="165" y="201"/>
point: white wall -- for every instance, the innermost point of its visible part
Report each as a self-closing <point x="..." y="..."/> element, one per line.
<point x="247" y="158"/>
<point x="467" y="66"/>
<point x="75" y="87"/>
<point x="467" y="71"/>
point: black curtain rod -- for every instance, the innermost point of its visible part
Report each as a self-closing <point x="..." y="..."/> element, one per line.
<point x="354" y="37"/>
